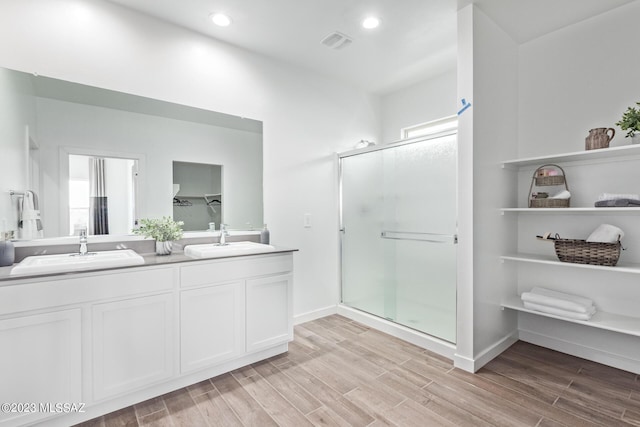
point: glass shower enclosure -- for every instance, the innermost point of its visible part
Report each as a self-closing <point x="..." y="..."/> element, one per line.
<point x="398" y="223"/>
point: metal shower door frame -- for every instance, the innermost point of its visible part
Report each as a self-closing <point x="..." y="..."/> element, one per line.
<point x="386" y="233"/>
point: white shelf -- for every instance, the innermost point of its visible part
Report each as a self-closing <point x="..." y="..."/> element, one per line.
<point x="549" y="260"/>
<point x="601" y="320"/>
<point x="603" y="153"/>
<point x="571" y="211"/>
<point x="197" y="196"/>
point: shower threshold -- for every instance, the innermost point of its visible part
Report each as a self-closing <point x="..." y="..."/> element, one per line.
<point x="405" y="333"/>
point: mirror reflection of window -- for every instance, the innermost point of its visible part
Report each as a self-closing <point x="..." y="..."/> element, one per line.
<point x="101" y="194"/>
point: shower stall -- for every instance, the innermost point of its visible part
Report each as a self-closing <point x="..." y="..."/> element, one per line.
<point x="398" y="215"/>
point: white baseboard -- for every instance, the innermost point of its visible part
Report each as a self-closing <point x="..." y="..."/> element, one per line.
<point x="97" y="409"/>
<point x="579" y="350"/>
<point x="436" y="345"/>
<point x="463" y="363"/>
<point x="315" y="314"/>
<point x="486" y="355"/>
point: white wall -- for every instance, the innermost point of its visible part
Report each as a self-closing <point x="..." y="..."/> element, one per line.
<point x="488" y="80"/>
<point x="464" y="302"/>
<point x="578" y="78"/>
<point x="572" y="80"/>
<point x="494" y="139"/>
<point x="422" y="102"/>
<point x="306" y="117"/>
<point x="17" y="111"/>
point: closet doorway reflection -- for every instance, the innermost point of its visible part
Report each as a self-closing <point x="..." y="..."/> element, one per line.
<point x="398" y="222"/>
<point x="197" y="195"/>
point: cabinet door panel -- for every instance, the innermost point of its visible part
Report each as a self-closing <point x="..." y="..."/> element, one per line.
<point x="133" y="344"/>
<point x="40" y="360"/>
<point x="211" y="325"/>
<point x="269" y="312"/>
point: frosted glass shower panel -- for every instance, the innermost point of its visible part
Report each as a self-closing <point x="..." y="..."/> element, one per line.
<point x="398" y="207"/>
<point x="362" y="215"/>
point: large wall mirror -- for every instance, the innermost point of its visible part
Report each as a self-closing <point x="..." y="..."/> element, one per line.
<point x="101" y="160"/>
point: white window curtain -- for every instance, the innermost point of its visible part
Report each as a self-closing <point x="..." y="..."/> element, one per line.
<point x="98" y="206"/>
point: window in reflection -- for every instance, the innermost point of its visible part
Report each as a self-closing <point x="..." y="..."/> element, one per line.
<point x="101" y="194"/>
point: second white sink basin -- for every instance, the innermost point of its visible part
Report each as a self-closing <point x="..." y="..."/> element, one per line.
<point x="72" y="262"/>
<point x="211" y="250"/>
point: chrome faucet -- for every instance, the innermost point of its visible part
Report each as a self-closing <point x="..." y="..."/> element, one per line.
<point x="223" y="235"/>
<point x="83" y="242"/>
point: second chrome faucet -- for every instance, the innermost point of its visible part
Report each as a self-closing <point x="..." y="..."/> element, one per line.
<point x="223" y="235"/>
<point x="83" y="251"/>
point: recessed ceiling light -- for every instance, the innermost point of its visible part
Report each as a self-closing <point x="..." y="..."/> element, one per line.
<point x="371" y="22"/>
<point x="220" y="19"/>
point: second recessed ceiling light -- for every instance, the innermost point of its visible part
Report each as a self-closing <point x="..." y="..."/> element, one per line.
<point x="371" y="22"/>
<point x="221" y="19"/>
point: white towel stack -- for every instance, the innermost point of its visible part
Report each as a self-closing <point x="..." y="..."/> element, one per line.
<point x="614" y="196"/>
<point x="559" y="304"/>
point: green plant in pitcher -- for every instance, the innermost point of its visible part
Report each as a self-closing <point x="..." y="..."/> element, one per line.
<point x="630" y="121"/>
<point x="161" y="230"/>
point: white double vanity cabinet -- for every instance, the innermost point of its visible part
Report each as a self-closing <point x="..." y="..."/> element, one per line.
<point x="107" y="339"/>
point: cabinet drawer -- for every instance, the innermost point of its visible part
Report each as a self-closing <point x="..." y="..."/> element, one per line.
<point x="63" y="291"/>
<point x="227" y="270"/>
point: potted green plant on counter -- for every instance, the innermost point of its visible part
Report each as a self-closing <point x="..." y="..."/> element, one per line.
<point x="164" y="231"/>
<point x="630" y="122"/>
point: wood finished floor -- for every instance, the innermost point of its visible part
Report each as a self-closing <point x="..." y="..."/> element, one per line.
<point x="340" y="373"/>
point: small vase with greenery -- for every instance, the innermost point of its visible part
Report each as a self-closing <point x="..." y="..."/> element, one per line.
<point x="164" y="231"/>
<point x="630" y="122"/>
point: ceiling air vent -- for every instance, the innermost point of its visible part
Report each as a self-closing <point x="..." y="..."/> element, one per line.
<point x="337" y="40"/>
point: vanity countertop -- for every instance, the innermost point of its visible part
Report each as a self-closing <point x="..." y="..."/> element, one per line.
<point x="150" y="259"/>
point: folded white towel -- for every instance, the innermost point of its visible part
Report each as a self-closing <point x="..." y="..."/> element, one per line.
<point x="614" y="196"/>
<point x="586" y="302"/>
<point x="606" y="233"/>
<point x="559" y="312"/>
<point x="29" y="218"/>
<point x="564" y="194"/>
<point x="561" y="303"/>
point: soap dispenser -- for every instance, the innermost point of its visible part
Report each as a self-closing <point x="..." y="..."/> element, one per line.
<point x="7" y="250"/>
<point x="264" y="235"/>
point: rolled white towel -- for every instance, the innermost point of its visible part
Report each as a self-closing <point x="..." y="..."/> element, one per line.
<point x="561" y="303"/>
<point x="559" y="312"/>
<point x="606" y="233"/>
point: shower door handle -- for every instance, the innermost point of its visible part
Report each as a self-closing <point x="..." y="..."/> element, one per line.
<point x="422" y="237"/>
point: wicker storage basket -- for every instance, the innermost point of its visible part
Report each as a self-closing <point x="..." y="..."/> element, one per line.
<point x="542" y="181"/>
<point x="549" y="180"/>
<point x="549" y="203"/>
<point x="583" y="252"/>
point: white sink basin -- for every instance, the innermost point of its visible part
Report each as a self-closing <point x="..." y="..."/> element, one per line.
<point x="74" y="262"/>
<point x="212" y="250"/>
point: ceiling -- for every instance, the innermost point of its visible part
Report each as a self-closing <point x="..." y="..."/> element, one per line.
<point x="415" y="41"/>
